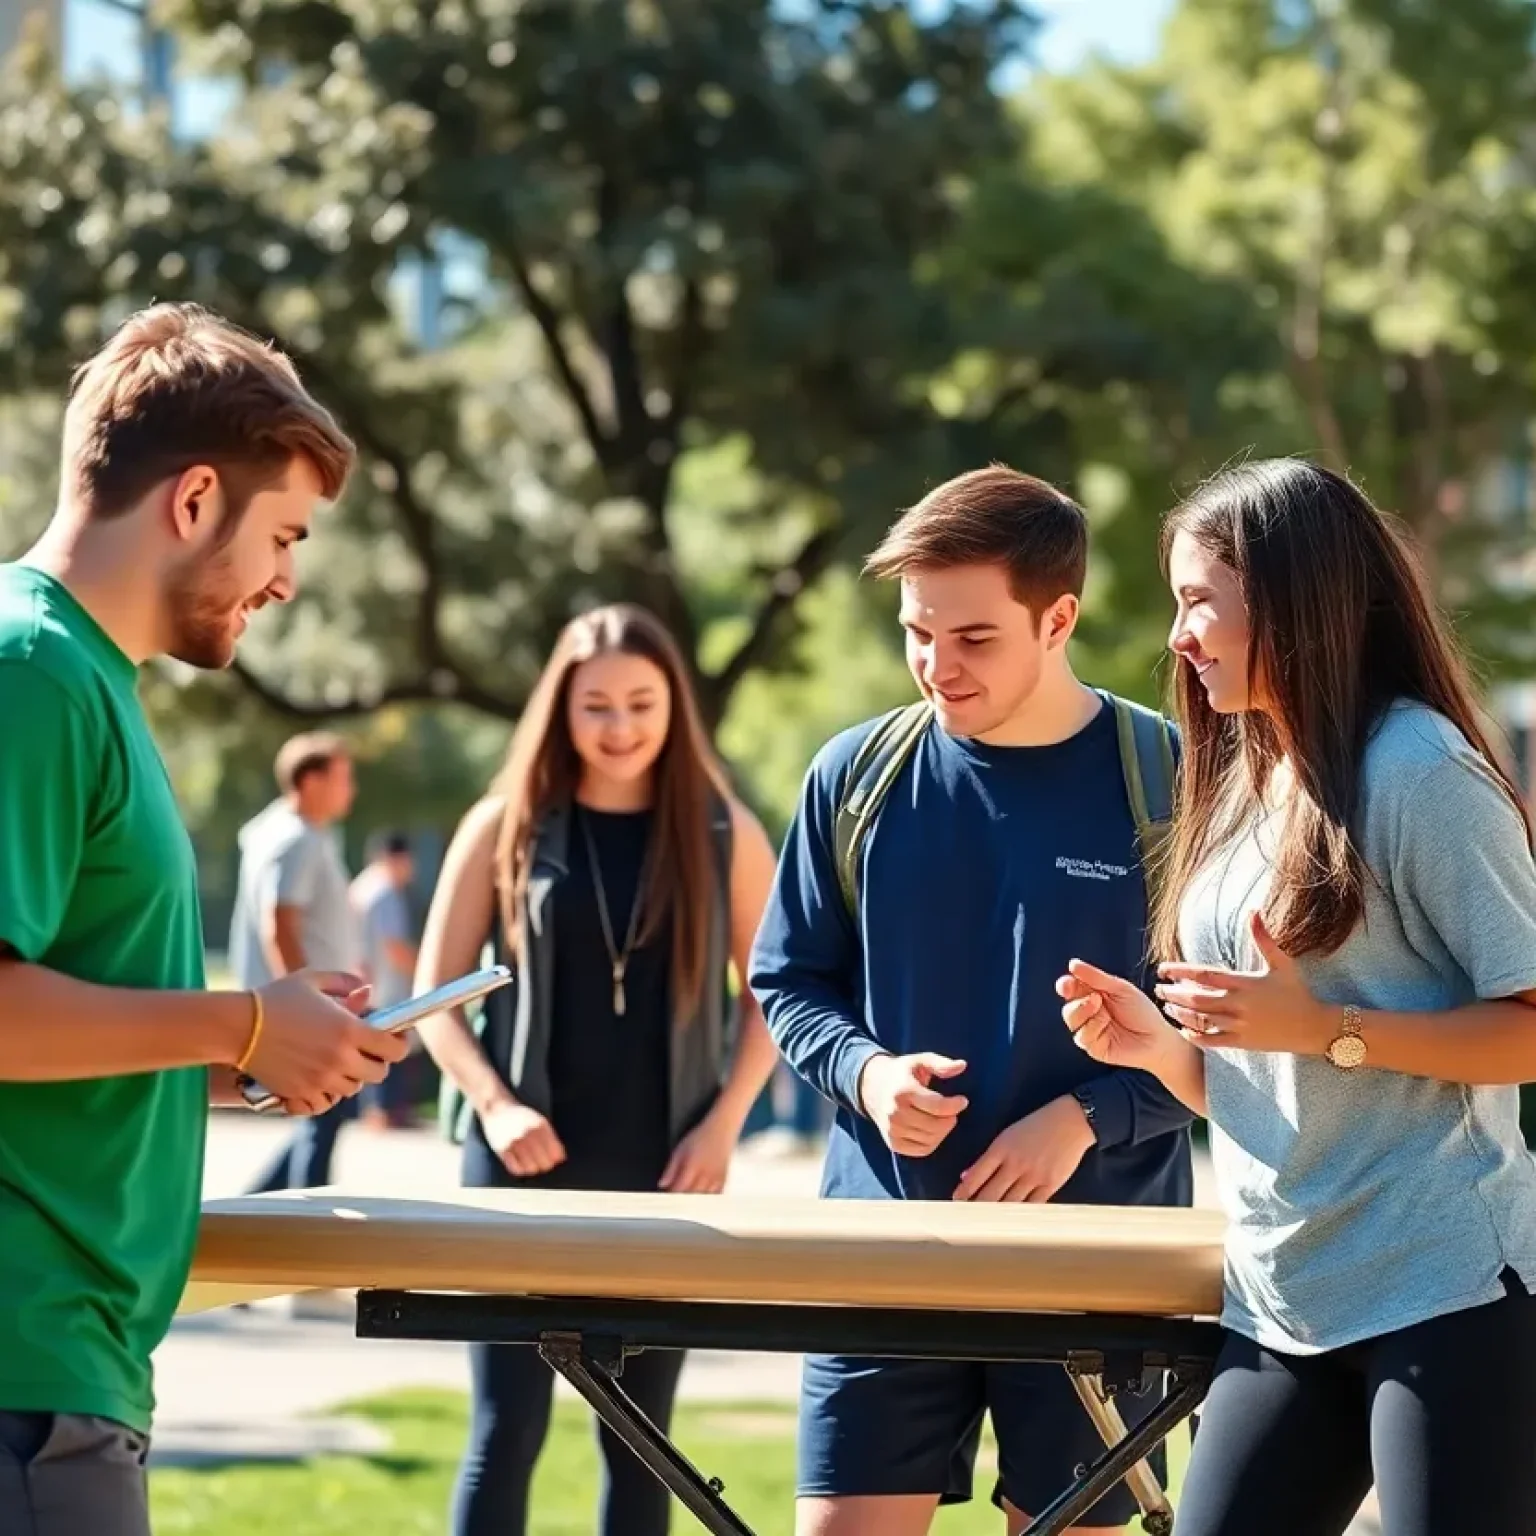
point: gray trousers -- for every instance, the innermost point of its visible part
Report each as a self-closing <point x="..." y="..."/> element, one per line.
<point x="65" y="1474"/>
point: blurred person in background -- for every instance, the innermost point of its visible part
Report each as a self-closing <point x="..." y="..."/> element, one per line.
<point x="293" y="909"/>
<point x="381" y="906"/>
<point x="615" y="870"/>
<point x="192" y="463"/>
<point x="790" y="1118"/>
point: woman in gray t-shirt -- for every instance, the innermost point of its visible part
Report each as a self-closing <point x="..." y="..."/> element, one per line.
<point x="1348" y="924"/>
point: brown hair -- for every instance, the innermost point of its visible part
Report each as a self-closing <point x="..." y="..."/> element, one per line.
<point x="1340" y="624"/>
<point x="300" y="756"/>
<point x="176" y="386"/>
<point x="543" y="769"/>
<point x="994" y="516"/>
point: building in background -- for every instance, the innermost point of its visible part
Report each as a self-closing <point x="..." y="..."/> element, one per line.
<point x="101" y="39"/>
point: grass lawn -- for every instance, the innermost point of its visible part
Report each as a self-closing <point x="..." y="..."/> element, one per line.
<point x="404" y="1492"/>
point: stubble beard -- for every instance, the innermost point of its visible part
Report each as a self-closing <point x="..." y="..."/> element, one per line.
<point x="201" y="601"/>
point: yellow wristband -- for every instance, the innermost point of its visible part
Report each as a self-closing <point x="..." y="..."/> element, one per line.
<point x="256" y="1023"/>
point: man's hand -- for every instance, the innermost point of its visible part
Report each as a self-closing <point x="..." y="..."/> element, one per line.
<point x="1033" y="1158"/>
<point x="224" y="1089"/>
<point x="897" y="1095"/>
<point x="314" y="1050"/>
<point x="701" y="1160"/>
<point x="523" y="1139"/>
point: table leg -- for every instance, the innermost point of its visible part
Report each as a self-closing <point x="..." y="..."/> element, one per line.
<point x="1156" y="1511"/>
<point x="593" y="1366"/>
<point x="1184" y="1396"/>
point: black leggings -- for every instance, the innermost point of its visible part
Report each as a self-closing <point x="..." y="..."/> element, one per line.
<point x="1440" y="1416"/>
<point x="512" y="1395"/>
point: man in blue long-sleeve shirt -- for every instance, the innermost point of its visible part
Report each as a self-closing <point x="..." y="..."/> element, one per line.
<point x="922" y="1003"/>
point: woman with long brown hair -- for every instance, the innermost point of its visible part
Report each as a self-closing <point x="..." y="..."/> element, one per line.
<point x="615" y="872"/>
<point x="1347" y="923"/>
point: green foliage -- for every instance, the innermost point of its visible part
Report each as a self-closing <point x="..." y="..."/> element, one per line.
<point x="1148" y="367"/>
<point x="1351" y="181"/>
<point x="845" y="666"/>
<point x="696" y="227"/>
<point x="744" y="281"/>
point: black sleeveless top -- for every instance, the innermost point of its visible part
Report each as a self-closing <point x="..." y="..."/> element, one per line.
<point x="608" y="1073"/>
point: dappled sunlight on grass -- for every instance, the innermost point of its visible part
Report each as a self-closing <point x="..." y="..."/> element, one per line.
<point x="404" y="1491"/>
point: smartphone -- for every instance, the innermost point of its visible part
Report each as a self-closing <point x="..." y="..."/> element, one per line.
<point x="401" y="1016"/>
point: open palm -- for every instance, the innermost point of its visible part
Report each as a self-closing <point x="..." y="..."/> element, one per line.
<point x="1112" y="1020"/>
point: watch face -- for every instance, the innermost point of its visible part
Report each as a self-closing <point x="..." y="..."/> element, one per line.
<point x="1347" y="1051"/>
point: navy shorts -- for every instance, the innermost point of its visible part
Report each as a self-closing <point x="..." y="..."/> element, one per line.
<point x="876" y="1427"/>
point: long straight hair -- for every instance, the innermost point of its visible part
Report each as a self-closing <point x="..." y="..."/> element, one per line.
<point x="1340" y="624"/>
<point x="543" y="770"/>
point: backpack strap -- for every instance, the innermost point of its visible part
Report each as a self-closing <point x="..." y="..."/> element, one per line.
<point x="874" y="769"/>
<point x="1150" y="768"/>
<point x="1147" y="761"/>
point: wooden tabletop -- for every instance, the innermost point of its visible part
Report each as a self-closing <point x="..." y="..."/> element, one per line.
<point x="1047" y="1258"/>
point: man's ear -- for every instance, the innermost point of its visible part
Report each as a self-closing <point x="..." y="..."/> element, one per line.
<point x="197" y="503"/>
<point x="1060" y="621"/>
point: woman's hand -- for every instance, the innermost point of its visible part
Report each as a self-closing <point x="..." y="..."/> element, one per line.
<point x="1114" y="1021"/>
<point x="1266" y="1010"/>
<point x="523" y="1139"/>
<point x="701" y="1160"/>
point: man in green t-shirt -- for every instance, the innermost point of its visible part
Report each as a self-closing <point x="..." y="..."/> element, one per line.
<point x="193" y="461"/>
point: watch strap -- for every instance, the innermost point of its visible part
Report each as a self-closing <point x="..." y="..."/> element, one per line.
<point x="1084" y="1096"/>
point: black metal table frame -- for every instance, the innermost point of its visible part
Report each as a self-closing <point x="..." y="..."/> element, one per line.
<point x="587" y="1341"/>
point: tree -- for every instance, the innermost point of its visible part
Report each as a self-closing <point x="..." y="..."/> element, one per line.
<point x="1149" y="369"/>
<point x="1361" y="172"/>
<point x="701" y="231"/>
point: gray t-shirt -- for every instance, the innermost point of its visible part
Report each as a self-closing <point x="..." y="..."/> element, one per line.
<point x="383" y="913"/>
<point x="1362" y="1202"/>
<point x="286" y="862"/>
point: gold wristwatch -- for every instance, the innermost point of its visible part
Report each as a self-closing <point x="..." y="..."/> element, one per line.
<point x="1347" y="1049"/>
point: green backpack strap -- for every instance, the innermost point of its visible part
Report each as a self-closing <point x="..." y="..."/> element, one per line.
<point x="1147" y="760"/>
<point x="870" y="776"/>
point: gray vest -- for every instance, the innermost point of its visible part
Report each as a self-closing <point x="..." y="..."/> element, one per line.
<point x="517" y="1019"/>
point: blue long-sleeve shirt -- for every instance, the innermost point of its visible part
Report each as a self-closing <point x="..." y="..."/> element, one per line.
<point x="986" y="871"/>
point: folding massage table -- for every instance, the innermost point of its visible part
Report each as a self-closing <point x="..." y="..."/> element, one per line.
<point x="1117" y="1297"/>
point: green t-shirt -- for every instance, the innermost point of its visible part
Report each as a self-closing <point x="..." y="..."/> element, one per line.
<point x="100" y="1178"/>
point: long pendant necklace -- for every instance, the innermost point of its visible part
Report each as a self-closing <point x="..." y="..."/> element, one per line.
<point x="618" y="959"/>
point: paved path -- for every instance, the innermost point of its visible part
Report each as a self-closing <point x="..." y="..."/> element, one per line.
<point x="294" y="1372"/>
<point x="291" y="1367"/>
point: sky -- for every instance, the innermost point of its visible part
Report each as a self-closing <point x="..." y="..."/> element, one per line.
<point x="1126" y="30"/>
<point x="100" y="37"/>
